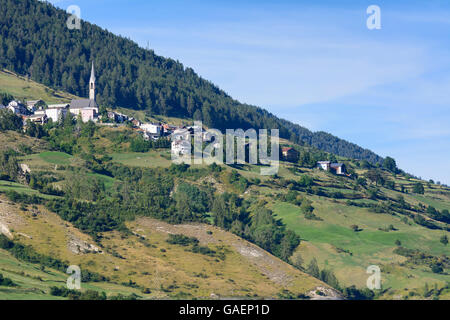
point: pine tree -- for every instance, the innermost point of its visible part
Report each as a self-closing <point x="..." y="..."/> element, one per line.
<point x="313" y="269"/>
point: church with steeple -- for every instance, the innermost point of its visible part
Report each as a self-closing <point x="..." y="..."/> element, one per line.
<point x="86" y="108"/>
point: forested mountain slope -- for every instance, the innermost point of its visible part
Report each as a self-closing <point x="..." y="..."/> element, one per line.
<point x="35" y="41"/>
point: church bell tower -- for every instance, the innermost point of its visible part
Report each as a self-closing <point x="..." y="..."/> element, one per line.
<point x="92" y="84"/>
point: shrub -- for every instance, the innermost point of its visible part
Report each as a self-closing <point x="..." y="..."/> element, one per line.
<point x="418" y="188"/>
<point x="182" y="240"/>
<point x="437" y="268"/>
<point x="6" y="282"/>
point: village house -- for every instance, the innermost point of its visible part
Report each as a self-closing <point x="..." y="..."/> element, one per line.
<point x="34" y="105"/>
<point x="181" y="147"/>
<point x="56" y="112"/>
<point x="117" y="117"/>
<point x="17" y="108"/>
<point x="207" y="136"/>
<point x="154" y="129"/>
<point x="38" y="118"/>
<point x="40" y="113"/>
<point x="181" y="141"/>
<point x="290" y="154"/>
<point x="135" y="122"/>
<point x="337" y="168"/>
<point x="168" y="128"/>
<point x="324" y="165"/>
<point x="181" y="134"/>
<point x="151" y="131"/>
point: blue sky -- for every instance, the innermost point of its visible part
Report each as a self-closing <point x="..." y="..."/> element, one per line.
<point x="314" y="63"/>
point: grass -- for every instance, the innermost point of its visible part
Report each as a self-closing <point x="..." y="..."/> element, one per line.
<point x="20" y="188"/>
<point x="325" y="239"/>
<point x="167" y="270"/>
<point x="35" y="283"/>
<point x="108" y="181"/>
<point x="18" y="142"/>
<point x="429" y="201"/>
<point x="142" y="116"/>
<point x="54" y="157"/>
<point x="152" y="158"/>
<point x="23" y="89"/>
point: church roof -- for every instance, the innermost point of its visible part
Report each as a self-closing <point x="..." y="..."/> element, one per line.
<point x="83" y="103"/>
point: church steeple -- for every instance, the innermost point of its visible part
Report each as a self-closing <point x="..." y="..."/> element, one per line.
<point x="92" y="84"/>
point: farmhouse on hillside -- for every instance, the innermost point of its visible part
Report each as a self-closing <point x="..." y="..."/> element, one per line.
<point x="324" y="165"/>
<point x="290" y="154"/>
<point x="337" y="168"/>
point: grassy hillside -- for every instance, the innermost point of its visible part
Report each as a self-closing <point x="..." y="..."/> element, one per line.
<point x="371" y="217"/>
<point x="23" y="88"/>
<point x="144" y="263"/>
<point x="141" y="262"/>
<point x="35" y="283"/>
<point x="330" y="240"/>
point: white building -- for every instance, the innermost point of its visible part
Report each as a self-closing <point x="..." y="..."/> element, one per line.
<point x="154" y="129"/>
<point x="181" y="147"/>
<point x="181" y="134"/>
<point x="17" y="108"/>
<point x="56" y="112"/>
<point x="338" y="168"/>
<point x="59" y="106"/>
<point x="38" y="118"/>
<point x="324" y="165"/>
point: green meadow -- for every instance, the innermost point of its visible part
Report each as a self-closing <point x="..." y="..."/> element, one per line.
<point x="149" y="159"/>
<point x="348" y="253"/>
<point x="24" y="89"/>
<point x="34" y="282"/>
<point x="55" y="157"/>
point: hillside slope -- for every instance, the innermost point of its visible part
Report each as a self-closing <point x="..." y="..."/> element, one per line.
<point x="144" y="263"/>
<point x="397" y="229"/>
<point x="35" y="41"/>
<point x="22" y="89"/>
